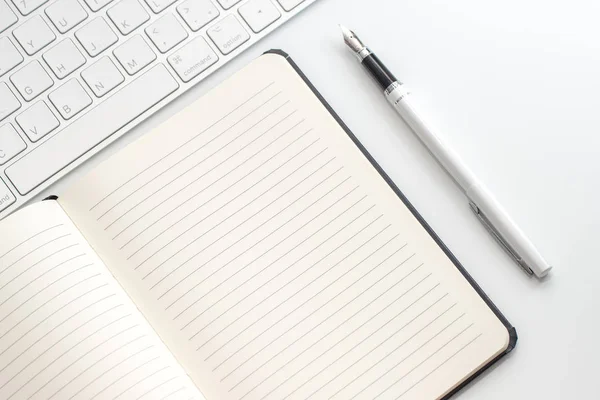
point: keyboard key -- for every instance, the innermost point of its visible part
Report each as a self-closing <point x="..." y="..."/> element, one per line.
<point x="166" y="33"/>
<point x="7" y="17"/>
<point x="34" y="35"/>
<point x="228" y="34"/>
<point x="134" y="54"/>
<point x="37" y="121"/>
<point x="96" y="5"/>
<point x="70" y="99"/>
<point x="102" y="77"/>
<point x="8" y="101"/>
<point x="66" y="14"/>
<point x="64" y="58"/>
<point x="127" y="15"/>
<point x="96" y="36"/>
<point x="31" y="80"/>
<point x="99" y="123"/>
<point x="6" y="196"/>
<point x="9" y="55"/>
<point x="11" y="143"/>
<point x="259" y="14"/>
<point x="192" y="59"/>
<point x="227" y="4"/>
<point x="158" y="5"/>
<point x="197" y="13"/>
<point x="289" y="5"/>
<point x="25" y="7"/>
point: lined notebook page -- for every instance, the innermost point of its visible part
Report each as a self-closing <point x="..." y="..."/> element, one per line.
<point x="273" y="259"/>
<point x="67" y="330"/>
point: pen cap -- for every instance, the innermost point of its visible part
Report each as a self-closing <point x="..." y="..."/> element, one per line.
<point x="508" y="231"/>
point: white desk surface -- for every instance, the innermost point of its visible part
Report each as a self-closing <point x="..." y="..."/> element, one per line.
<point x="514" y="86"/>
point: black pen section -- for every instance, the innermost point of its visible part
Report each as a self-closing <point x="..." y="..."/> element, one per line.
<point x="376" y="68"/>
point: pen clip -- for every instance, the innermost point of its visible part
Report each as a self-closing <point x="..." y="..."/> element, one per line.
<point x="494" y="232"/>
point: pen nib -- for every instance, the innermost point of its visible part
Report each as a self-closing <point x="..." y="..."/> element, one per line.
<point x="351" y="39"/>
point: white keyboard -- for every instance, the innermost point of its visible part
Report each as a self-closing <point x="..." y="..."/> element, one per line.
<point x="77" y="74"/>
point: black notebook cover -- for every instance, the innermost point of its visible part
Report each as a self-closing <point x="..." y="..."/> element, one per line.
<point x="511" y="330"/>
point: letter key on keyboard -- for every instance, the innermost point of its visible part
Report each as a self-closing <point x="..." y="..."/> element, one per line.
<point x="11" y="143"/>
<point x="70" y="99"/>
<point x="96" y="5"/>
<point x="102" y="77"/>
<point x="96" y="36"/>
<point x="92" y="128"/>
<point x="134" y="54"/>
<point x="159" y="5"/>
<point x="64" y="58"/>
<point x="31" y="80"/>
<point x="8" y="101"/>
<point x="66" y="14"/>
<point x="7" y="17"/>
<point x="37" y="121"/>
<point x="34" y="35"/>
<point x="9" y="55"/>
<point x="127" y="15"/>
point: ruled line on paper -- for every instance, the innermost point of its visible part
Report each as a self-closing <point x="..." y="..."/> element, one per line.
<point x="197" y="164"/>
<point x="265" y="132"/>
<point x="55" y="343"/>
<point x="112" y="367"/>
<point x="426" y="359"/>
<point x="181" y="146"/>
<point x="95" y="363"/>
<point x="263" y="238"/>
<point x="385" y="341"/>
<point x="324" y="303"/>
<point x="411" y="354"/>
<point x="246" y="205"/>
<point x="240" y="179"/>
<point x="33" y="251"/>
<point x="214" y="241"/>
<point x="35" y="264"/>
<point x="343" y="212"/>
<point x="213" y="304"/>
<point x="152" y="389"/>
<point x="237" y="367"/>
<point x="80" y="357"/>
<point x="189" y="198"/>
<point x="267" y="221"/>
<point x="137" y="383"/>
<point x="57" y="358"/>
<point x="346" y="336"/>
<point x="440" y="365"/>
<point x="52" y="315"/>
<point x="42" y="289"/>
<point x="293" y="295"/>
<point x="30" y="238"/>
<point x="45" y="303"/>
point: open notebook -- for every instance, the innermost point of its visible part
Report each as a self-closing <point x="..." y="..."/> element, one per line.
<point x="248" y="248"/>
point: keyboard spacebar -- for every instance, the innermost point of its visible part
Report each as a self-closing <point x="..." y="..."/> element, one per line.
<point x="91" y="129"/>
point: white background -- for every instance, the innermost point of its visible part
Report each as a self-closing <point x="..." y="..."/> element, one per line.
<point x="514" y="87"/>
